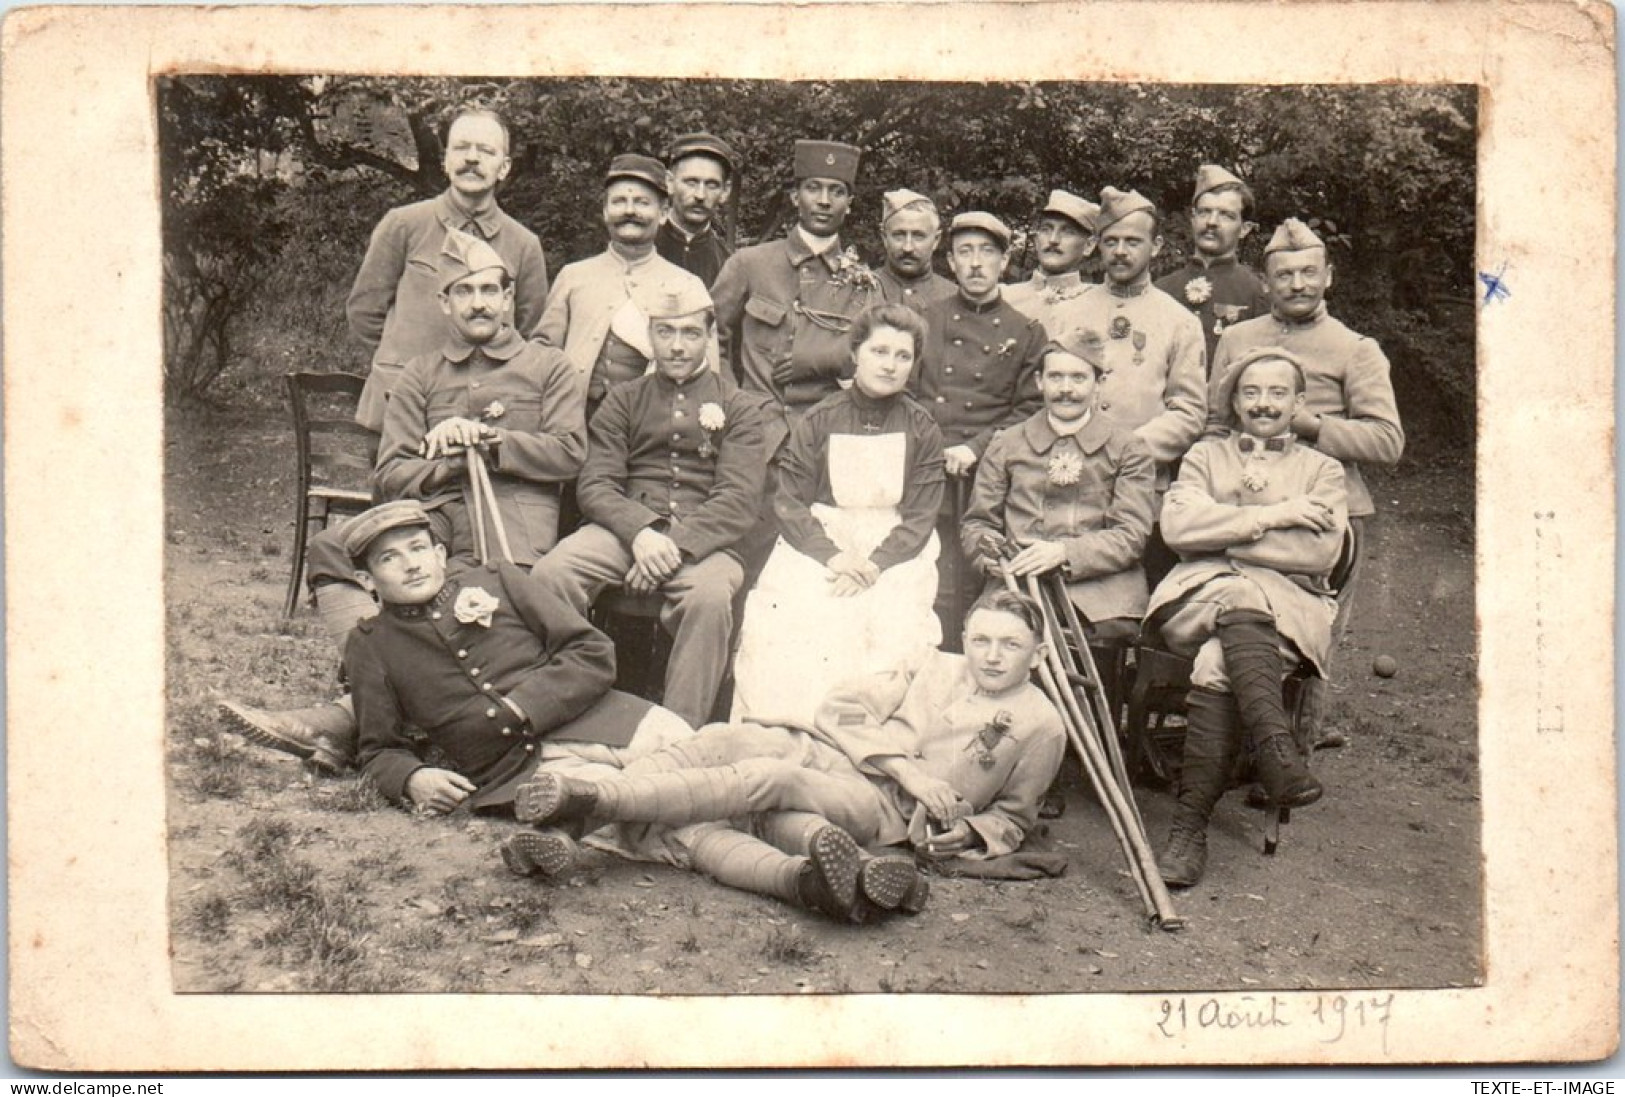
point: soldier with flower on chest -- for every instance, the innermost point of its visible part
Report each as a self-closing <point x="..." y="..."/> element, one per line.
<point x="784" y="307"/>
<point x="1073" y="492"/>
<point x="1214" y="284"/>
<point x="675" y="471"/>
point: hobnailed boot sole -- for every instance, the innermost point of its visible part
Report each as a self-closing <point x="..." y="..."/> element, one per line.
<point x="543" y="852"/>
<point x="890" y="882"/>
<point x="261" y="729"/>
<point x="548" y="798"/>
<point x="837" y="863"/>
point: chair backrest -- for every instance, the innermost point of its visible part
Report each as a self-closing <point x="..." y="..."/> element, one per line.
<point x="1348" y="559"/>
<point x="334" y="450"/>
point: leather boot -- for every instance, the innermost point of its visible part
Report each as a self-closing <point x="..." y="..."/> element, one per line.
<point x="1212" y="744"/>
<point x="1252" y="657"/>
<point x="323" y="735"/>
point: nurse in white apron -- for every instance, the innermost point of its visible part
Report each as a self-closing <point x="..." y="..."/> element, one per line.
<point x="849" y="587"/>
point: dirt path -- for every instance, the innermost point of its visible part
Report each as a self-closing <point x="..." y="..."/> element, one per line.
<point x="279" y="883"/>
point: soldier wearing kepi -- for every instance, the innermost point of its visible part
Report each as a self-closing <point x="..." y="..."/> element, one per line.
<point x="978" y="375"/>
<point x="486" y="386"/>
<point x="591" y="314"/>
<point x="1214" y="284"/>
<point x="784" y="307"/>
<point x="1065" y="240"/>
<point x="502" y="677"/>
<point x="701" y="179"/>
<point x="1258" y="520"/>
<point x="394" y="305"/>
<point x="673" y="481"/>
<point x="910" y="229"/>
<point x="1349" y="411"/>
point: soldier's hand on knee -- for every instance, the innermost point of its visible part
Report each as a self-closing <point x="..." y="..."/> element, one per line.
<point x="657" y="554"/>
<point x="437" y="790"/>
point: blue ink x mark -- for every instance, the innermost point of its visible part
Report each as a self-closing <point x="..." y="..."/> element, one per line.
<point x="1494" y="288"/>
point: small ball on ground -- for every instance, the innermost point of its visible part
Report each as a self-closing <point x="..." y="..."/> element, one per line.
<point x="1384" y="666"/>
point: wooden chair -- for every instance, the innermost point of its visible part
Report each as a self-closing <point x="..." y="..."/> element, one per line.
<point x="335" y="460"/>
<point x="1154" y="728"/>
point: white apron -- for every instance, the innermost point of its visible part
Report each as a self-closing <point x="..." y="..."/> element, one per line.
<point x="798" y="639"/>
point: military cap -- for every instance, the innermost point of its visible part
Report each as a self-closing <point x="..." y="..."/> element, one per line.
<point x="894" y="202"/>
<point x="1081" y="211"/>
<point x="827" y="160"/>
<point x="463" y="254"/>
<point x="1212" y="177"/>
<point x="1293" y="235"/>
<point x="669" y="301"/>
<point x="977" y="221"/>
<point x="365" y="528"/>
<point x="702" y="144"/>
<point x="1116" y="205"/>
<point x="643" y="169"/>
<point x="1082" y="342"/>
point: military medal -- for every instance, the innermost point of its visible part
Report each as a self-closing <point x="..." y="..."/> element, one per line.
<point x="1121" y="327"/>
<point x="1139" y="347"/>
<point x="988" y="738"/>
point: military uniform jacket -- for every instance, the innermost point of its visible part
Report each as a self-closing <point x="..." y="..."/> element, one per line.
<point x="524" y="390"/>
<point x="804" y="473"/>
<point x="779" y="302"/>
<point x="653" y="459"/>
<point x="1154" y="382"/>
<point x="1092" y="492"/>
<point x="586" y="296"/>
<point x="1043" y="295"/>
<point x="916" y="293"/>
<point x="424" y="667"/>
<point x="936" y="718"/>
<point x="1222" y="293"/>
<point x="702" y="254"/>
<point x="979" y="371"/>
<point x="1346" y="379"/>
<point x="1211" y="519"/>
<point x="394" y="306"/>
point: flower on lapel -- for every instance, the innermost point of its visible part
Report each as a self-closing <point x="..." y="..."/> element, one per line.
<point x="1007" y="346"/>
<point x="493" y="410"/>
<point x="988" y="738"/>
<point x="1254" y="480"/>
<point x="1199" y="291"/>
<point x="475" y="606"/>
<point x="1065" y="468"/>
<point x="851" y="270"/>
<point x="712" y="417"/>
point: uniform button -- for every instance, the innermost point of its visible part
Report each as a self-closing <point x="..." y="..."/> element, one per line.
<point x="942" y="399"/>
<point x="677" y="414"/>
<point x="978" y="376"/>
<point x="956" y="316"/>
<point x="995" y="321"/>
<point x="682" y="396"/>
<point x="529" y="747"/>
<point x="948" y="369"/>
<point x="488" y="687"/>
<point x="462" y="653"/>
<point x="675" y="485"/>
<point x="959" y="342"/>
<point x="987" y="350"/>
<point x="507" y="731"/>
<point x="475" y="671"/>
<point x="676" y="437"/>
<point x="491" y="713"/>
<point x="473" y="384"/>
<point x="1105" y="405"/>
<point x="435" y="615"/>
<point x="967" y="405"/>
<point x="674" y="455"/>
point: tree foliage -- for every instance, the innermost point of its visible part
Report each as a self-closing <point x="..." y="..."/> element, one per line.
<point x="272" y="183"/>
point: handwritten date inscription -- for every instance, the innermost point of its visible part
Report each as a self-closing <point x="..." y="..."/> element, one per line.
<point x="1330" y="1017"/>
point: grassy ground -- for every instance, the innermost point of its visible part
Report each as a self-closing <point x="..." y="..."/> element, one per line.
<point x="280" y="882"/>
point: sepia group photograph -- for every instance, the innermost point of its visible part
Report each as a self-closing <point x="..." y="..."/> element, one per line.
<point x="653" y="552"/>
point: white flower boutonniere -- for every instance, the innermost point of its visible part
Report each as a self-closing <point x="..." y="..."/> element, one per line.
<point x="493" y="410"/>
<point x="475" y="606"/>
<point x="1199" y="291"/>
<point x="850" y="270"/>
<point x="1065" y="468"/>
<point x="712" y="417"/>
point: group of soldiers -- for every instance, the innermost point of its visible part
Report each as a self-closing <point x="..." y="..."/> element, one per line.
<point x="1204" y="430"/>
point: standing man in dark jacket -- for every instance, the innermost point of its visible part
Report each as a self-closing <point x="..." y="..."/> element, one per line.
<point x="700" y="181"/>
<point x="1214" y="284"/>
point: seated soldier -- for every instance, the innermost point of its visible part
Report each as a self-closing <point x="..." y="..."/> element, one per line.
<point x="676" y="467"/>
<point x="1258" y="521"/>
<point x="500" y="675"/>
<point x="1072" y="490"/>
<point x="950" y="757"/>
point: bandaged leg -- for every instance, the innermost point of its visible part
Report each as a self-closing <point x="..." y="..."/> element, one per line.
<point x="1252" y="657"/>
<point x="741" y="861"/>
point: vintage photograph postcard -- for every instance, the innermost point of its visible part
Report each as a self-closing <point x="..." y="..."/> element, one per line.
<point x="851" y="534"/>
